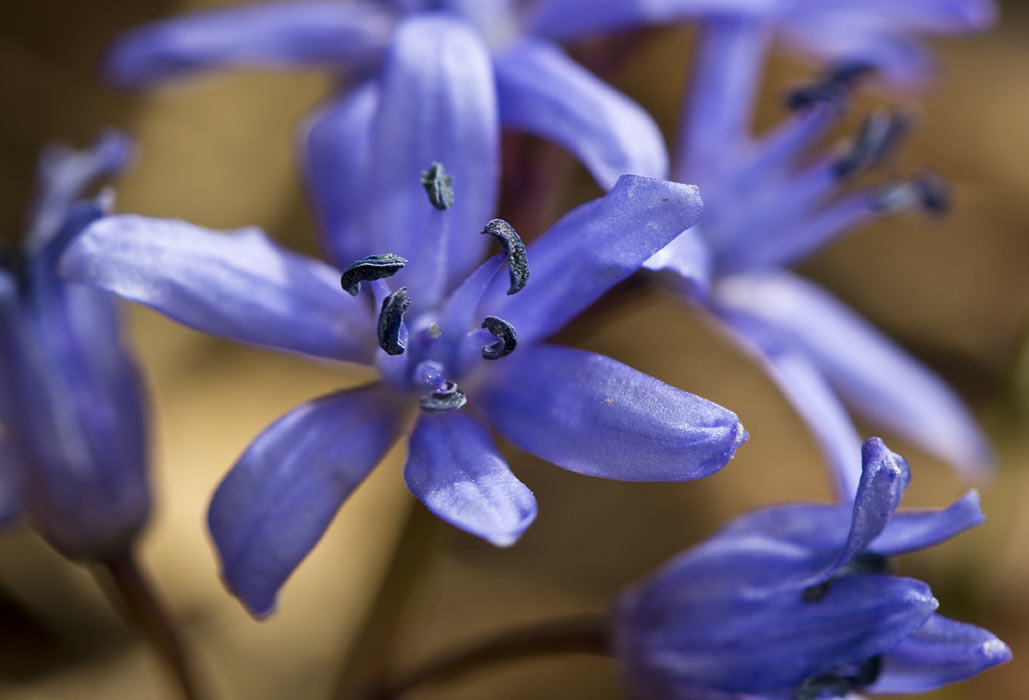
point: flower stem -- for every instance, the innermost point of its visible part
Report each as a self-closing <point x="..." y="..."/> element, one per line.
<point x="579" y="635"/>
<point x="145" y="609"/>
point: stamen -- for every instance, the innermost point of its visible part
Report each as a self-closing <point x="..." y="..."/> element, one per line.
<point x="841" y="681"/>
<point x="391" y="318"/>
<point x="878" y="135"/>
<point x="439" y="185"/>
<point x="373" y="267"/>
<point x="848" y="73"/>
<point x="832" y="89"/>
<point x="430" y="374"/>
<point x="504" y="332"/>
<point x="450" y="398"/>
<point x="517" y="264"/>
<point x="934" y="193"/>
<point x="895" y="197"/>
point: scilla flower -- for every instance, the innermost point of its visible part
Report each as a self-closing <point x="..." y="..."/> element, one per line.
<point x="528" y="83"/>
<point x="453" y="345"/>
<point x="73" y="448"/>
<point x="796" y="602"/>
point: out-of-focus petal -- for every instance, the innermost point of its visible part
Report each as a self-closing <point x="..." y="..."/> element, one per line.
<point x="689" y="258"/>
<point x="595" y="416"/>
<point x="10" y="486"/>
<point x="593" y="248"/>
<point x="931" y="16"/>
<point x="237" y="285"/>
<point x="873" y="375"/>
<point x="277" y="500"/>
<point x="809" y="393"/>
<point x="437" y="103"/>
<point x="913" y="530"/>
<point x="274" y="34"/>
<point x="544" y="92"/>
<point x="716" y="117"/>
<point x="454" y="468"/>
<point x="574" y="18"/>
<point x="884" y="476"/>
<point x="715" y="638"/>
<point x="942" y="651"/>
<point x="64" y="176"/>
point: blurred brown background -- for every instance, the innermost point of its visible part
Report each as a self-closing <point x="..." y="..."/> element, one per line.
<point x="218" y="152"/>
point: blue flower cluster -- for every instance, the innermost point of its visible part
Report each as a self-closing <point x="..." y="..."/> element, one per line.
<point x="403" y="166"/>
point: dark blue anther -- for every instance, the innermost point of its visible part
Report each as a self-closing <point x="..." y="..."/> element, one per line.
<point x="391" y="318"/>
<point x="450" y="398"/>
<point x="848" y="73"/>
<point x="841" y="681"/>
<point x="878" y="135"/>
<point x="832" y="88"/>
<point x="517" y="264"/>
<point x="934" y="193"/>
<point x="504" y="332"/>
<point x="439" y="185"/>
<point x="374" y="267"/>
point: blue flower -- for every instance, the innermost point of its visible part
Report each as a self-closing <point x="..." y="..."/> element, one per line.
<point x="73" y="447"/>
<point x="768" y="206"/>
<point x="528" y="82"/>
<point x="883" y="33"/>
<point x="440" y="329"/>
<point x="796" y="601"/>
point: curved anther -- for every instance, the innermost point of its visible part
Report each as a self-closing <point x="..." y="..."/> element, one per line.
<point x="373" y="267"/>
<point x="832" y="88"/>
<point x="934" y="193"/>
<point x="391" y="319"/>
<point x="439" y="185"/>
<point x="450" y="398"/>
<point x="504" y="332"/>
<point x="878" y="135"/>
<point x="517" y="264"/>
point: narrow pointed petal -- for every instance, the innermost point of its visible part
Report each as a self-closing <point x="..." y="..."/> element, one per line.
<point x="593" y="248"/>
<point x="931" y="16"/>
<point x="719" y="103"/>
<point x="454" y="468"/>
<point x="275" y="503"/>
<point x="812" y="397"/>
<point x="575" y="18"/>
<point x="437" y="104"/>
<point x="884" y="476"/>
<point x="595" y="416"/>
<point x="873" y="375"/>
<point x="274" y="34"/>
<point x="336" y="151"/>
<point x="719" y="638"/>
<point x="689" y="258"/>
<point x="942" y="651"/>
<point x="237" y="285"/>
<point x="544" y="92"/>
<point x="913" y="530"/>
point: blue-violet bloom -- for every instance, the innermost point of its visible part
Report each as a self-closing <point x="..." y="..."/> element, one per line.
<point x="530" y="83"/>
<point x="796" y="602"/>
<point x="73" y="446"/>
<point x="768" y="206"/>
<point x="433" y="320"/>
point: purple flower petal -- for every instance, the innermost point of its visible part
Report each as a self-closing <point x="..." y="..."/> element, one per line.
<point x="874" y="376"/>
<point x="277" y="500"/>
<point x="942" y="651"/>
<point x="336" y="150"/>
<point x="716" y="119"/>
<point x="270" y="34"/>
<point x="593" y="248"/>
<point x="884" y="476"/>
<point x="575" y="18"/>
<point x="237" y="285"/>
<point x="943" y="16"/>
<point x="544" y="92"/>
<point x="716" y="637"/>
<point x="437" y="103"/>
<point x="595" y="416"/>
<point x="689" y="258"/>
<point x="10" y="486"/>
<point x="809" y="393"/>
<point x="455" y="470"/>
<point x="913" y="530"/>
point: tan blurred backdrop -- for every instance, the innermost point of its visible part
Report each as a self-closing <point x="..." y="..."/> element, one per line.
<point x="218" y="152"/>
